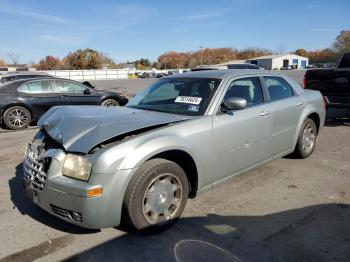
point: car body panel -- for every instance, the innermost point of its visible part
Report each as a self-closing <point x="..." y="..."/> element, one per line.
<point x="221" y="143"/>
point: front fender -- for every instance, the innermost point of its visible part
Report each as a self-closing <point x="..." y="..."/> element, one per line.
<point x="155" y="146"/>
<point x="133" y="153"/>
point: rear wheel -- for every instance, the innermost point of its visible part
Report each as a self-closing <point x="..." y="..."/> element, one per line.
<point x="156" y="196"/>
<point x="17" y="117"/>
<point x="110" y="102"/>
<point x="307" y="139"/>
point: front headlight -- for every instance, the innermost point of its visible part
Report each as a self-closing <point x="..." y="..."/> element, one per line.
<point x="78" y="167"/>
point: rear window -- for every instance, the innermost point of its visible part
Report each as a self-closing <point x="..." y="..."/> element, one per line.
<point x="278" y="88"/>
<point x="6" y="79"/>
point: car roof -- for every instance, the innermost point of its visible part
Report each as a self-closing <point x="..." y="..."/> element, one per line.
<point x="219" y="74"/>
<point x="19" y="82"/>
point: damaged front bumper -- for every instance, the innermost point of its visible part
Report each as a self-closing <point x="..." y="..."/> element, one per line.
<point x="66" y="198"/>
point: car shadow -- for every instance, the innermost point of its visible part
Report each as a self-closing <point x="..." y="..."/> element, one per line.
<point x="26" y="207"/>
<point x="313" y="233"/>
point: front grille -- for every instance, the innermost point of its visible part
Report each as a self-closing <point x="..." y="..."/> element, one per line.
<point x="35" y="168"/>
<point x="67" y="214"/>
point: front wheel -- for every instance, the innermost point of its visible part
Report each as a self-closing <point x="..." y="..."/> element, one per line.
<point x="16" y="118"/>
<point x="157" y="195"/>
<point x="306" y="139"/>
<point x="110" y="102"/>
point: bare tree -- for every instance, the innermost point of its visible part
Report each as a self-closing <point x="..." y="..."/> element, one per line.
<point x="14" y="57"/>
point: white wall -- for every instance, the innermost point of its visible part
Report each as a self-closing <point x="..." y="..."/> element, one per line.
<point x="82" y="75"/>
<point x="278" y="62"/>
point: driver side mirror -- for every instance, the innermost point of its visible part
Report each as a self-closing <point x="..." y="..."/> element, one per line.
<point x="87" y="83"/>
<point x="234" y="103"/>
<point x="87" y="91"/>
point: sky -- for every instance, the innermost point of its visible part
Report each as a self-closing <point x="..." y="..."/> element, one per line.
<point x="129" y="30"/>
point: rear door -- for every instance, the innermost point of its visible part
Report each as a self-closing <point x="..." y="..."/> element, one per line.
<point x="40" y="95"/>
<point x="285" y="106"/>
<point x="74" y="93"/>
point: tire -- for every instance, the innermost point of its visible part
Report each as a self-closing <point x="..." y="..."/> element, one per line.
<point x="156" y="195"/>
<point x="17" y="117"/>
<point x="110" y="102"/>
<point x="307" y="139"/>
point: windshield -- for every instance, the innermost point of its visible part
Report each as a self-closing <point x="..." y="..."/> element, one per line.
<point x="188" y="96"/>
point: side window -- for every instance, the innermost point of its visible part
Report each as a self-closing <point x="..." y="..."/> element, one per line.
<point x="7" y="79"/>
<point x="247" y="88"/>
<point x="70" y="87"/>
<point x="37" y="87"/>
<point x="278" y="88"/>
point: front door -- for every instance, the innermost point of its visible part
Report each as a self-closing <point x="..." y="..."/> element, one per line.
<point x="74" y="93"/>
<point x="242" y="137"/>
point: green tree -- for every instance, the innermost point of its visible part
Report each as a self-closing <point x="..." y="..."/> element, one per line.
<point x="142" y="64"/>
<point x="84" y="59"/>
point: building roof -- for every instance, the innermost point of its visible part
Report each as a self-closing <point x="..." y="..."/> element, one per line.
<point x="273" y="56"/>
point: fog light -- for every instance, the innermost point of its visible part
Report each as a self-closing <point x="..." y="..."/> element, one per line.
<point x="94" y="192"/>
<point x="77" y="216"/>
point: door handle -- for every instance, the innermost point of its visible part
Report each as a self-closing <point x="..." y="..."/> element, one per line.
<point x="300" y="104"/>
<point x="264" y="113"/>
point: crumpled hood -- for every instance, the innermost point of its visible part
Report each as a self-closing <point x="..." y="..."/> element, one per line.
<point x="80" y="128"/>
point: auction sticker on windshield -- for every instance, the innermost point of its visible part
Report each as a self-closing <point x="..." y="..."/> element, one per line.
<point x="188" y="100"/>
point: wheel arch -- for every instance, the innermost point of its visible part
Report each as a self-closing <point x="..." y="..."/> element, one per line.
<point x="118" y="99"/>
<point x="308" y="113"/>
<point x="186" y="162"/>
<point x="316" y="118"/>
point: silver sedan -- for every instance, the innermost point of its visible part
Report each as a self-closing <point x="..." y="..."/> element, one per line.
<point x="184" y="135"/>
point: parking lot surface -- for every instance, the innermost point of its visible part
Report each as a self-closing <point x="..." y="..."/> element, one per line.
<point x="286" y="210"/>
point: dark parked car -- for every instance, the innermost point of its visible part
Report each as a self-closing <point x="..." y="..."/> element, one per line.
<point x="13" y="76"/>
<point x="24" y="101"/>
<point x="243" y="66"/>
<point x="333" y="83"/>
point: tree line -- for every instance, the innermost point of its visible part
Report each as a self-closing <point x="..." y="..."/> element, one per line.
<point x="92" y="59"/>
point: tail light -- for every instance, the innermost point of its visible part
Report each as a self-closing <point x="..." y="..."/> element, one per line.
<point x="304" y="82"/>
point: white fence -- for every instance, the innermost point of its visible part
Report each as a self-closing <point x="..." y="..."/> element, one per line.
<point x="82" y="75"/>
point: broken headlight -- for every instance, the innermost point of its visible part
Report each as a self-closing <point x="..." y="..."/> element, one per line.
<point x="76" y="166"/>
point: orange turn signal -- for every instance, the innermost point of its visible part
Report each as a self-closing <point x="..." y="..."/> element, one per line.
<point x="94" y="192"/>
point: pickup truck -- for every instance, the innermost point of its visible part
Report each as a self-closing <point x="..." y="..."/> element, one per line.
<point x="333" y="83"/>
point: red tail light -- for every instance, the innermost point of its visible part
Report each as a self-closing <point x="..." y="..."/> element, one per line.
<point x="304" y="82"/>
